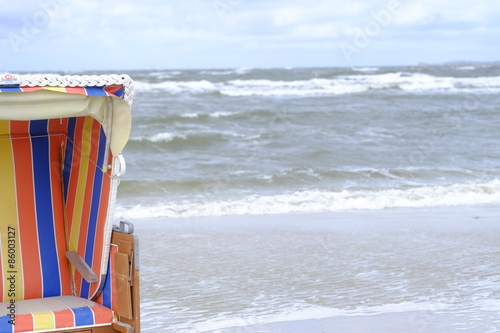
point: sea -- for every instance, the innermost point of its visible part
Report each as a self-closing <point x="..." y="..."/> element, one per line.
<point x="316" y="199"/>
<point x="267" y="141"/>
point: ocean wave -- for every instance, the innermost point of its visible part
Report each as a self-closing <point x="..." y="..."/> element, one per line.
<point x="217" y="114"/>
<point x="238" y="71"/>
<point x="189" y="138"/>
<point x="365" y="69"/>
<point x="340" y="85"/>
<point x="159" y="137"/>
<point x="323" y="201"/>
<point x="176" y="87"/>
<point x="299" y="312"/>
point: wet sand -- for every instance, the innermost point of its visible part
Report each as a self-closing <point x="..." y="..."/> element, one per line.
<point x="399" y="270"/>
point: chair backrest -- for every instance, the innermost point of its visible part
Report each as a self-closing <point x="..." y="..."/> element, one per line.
<point x="33" y="242"/>
<point x="54" y="196"/>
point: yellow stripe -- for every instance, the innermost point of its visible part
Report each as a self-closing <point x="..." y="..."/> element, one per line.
<point x="81" y="186"/>
<point x="4" y="127"/>
<point x="57" y="89"/>
<point x="9" y="224"/>
<point x="44" y="321"/>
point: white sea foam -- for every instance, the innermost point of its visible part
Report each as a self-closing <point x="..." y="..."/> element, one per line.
<point x="217" y="114"/>
<point x="307" y="312"/>
<point x="365" y="69"/>
<point x="346" y="84"/>
<point x="322" y="201"/>
<point x="159" y="137"/>
<point x="176" y="87"/>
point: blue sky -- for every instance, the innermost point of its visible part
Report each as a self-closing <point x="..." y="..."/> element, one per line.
<point x="73" y="35"/>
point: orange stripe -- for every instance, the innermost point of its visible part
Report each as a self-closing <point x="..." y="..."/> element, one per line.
<point x="103" y="214"/>
<point x="24" y="323"/>
<point x="76" y="90"/>
<point x="64" y="127"/>
<point x="102" y="315"/>
<point x="29" y="89"/>
<point x="55" y="126"/>
<point x="64" y="318"/>
<point x="26" y="212"/>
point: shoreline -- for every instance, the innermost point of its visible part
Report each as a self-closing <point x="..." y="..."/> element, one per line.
<point x="481" y="211"/>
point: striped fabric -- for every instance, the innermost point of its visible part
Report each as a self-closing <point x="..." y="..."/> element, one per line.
<point x="108" y="295"/>
<point x="31" y="202"/>
<point x="54" y="197"/>
<point x="87" y="193"/>
<point x="63" y="312"/>
<point x="113" y="90"/>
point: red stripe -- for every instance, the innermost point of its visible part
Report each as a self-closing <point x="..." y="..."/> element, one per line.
<point x="55" y="126"/>
<point x="29" y="89"/>
<point x="76" y="90"/>
<point x="26" y="211"/>
<point x="102" y="315"/>
<point x="64" y="318"/>
<point x="111" y="90"/>
<point x="24" y="323"/>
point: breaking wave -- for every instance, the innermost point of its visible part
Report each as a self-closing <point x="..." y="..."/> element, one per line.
<point x="340" y="85"/>
<point x="322" y="201"/>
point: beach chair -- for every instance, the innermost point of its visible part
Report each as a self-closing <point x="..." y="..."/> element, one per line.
<point x="65" y="267"/>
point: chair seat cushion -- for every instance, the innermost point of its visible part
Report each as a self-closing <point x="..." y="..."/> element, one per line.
<point x="52" y="313"/>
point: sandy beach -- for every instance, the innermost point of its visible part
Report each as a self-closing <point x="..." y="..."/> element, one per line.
<point x="397" y="270"/>
<point x="316" y="199"/>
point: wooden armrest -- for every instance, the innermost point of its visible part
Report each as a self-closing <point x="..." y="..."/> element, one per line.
<point x="81" y="266"/>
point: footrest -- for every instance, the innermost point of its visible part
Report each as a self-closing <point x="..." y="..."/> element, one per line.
<point x="52" y="313"/>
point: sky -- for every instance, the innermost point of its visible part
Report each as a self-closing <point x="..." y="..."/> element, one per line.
<point x="76" y="35"/>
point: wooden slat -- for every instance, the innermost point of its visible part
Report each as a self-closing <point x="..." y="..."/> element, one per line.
<point x="123" y="290"/>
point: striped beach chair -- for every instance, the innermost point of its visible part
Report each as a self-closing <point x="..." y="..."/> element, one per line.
<point x="65" y="268"/>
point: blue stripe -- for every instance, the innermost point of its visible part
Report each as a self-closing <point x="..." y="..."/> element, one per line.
<point x="39" y="127"/>
<point x="83" y="316"/>
<point x="44" y="214"/>
<point x="94" y="210"/>
<point x="68" y="156"/>
<point x="5" y="326"/>
<point x="106" y="291"/>
<point x="96" y="91"/>
<point x="11" y="89"/>
<point x="102" y="148"/>
<point x="119" y="92"/>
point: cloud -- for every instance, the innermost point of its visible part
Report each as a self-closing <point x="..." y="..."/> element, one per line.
<point x="218" y="32"/>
